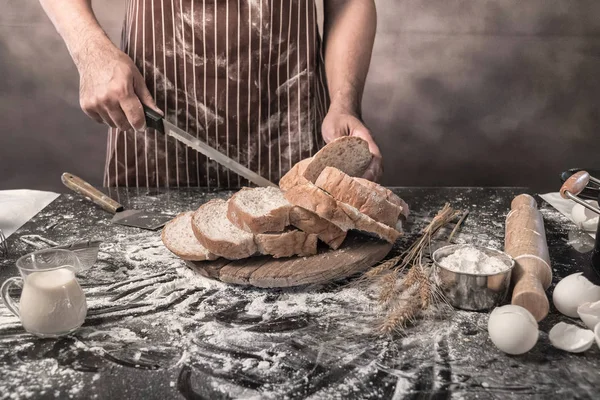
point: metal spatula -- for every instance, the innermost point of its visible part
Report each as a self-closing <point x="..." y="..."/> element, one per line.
<point x="136" y="218"/>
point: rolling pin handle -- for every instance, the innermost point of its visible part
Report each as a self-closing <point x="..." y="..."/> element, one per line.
<point x="530" y="294"/>
<point x="575" y="184"/>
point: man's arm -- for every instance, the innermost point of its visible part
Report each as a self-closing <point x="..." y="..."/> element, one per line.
<point x="112" y="89"/>
<point x="349" y="33"/>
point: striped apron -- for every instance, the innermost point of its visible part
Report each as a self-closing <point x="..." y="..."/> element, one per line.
<point x="245" y="76"/>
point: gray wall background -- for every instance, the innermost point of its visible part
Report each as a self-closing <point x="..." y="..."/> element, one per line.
<point x="460" y="92"/>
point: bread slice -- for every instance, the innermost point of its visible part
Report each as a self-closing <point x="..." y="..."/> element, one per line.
<point x="367" y="200"/>
<point x="287" y="244"/>
<point x="346" y="217"/>
<point x="368" y="225"/>
<point x="179" y="238"/>
<point x="387" y="193"/>
<point x="214" y="230"/>
<point x="315" y="200"/>
<point x="295" y="175"/>
<point x="259" y="210"/>
<point x="310" y="222"/>
<point x="219" y="235"/>
<point x="349" y="154"/>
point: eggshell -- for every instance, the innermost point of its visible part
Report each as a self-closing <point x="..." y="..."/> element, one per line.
<point x="513" y="329"/>
<point x="584" y="218"/>
<point x="573" y="291"/>
<point x="589" y="314"/>
<point x="571" y="338"/>
<point x="597" y="334"/>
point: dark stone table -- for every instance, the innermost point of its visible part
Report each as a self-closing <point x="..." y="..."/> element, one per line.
<point x="156" y="331"/>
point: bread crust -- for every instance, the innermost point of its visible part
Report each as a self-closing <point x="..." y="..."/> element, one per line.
<point x="367" y="200"/>
<point x="295" y="175"/>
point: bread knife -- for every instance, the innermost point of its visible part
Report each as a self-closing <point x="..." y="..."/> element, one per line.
<point x="155" y="121"/>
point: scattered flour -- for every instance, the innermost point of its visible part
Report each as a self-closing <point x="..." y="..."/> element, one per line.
<point x="471" y="260"/>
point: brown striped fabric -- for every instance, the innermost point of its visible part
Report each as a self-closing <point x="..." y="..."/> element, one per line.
<point x="245" y="76"/>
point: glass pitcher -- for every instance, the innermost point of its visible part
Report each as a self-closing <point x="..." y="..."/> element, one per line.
<point x="52" y="303"/>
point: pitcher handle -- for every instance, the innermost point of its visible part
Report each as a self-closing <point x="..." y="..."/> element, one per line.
<point x="8" y="301"/>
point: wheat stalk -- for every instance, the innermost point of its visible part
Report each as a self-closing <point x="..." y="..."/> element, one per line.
<point x="400" y="316"/>
<point x="404" y="297"/>
<point x="388" y="288"/>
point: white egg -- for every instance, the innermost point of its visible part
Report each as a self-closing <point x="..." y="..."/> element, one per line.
<point x="584" y="218"/>
<point x="571" y="337"/>
<point x="597" y="334"/>
<point x="589" y="314"/>
<point x="513" y="329"/>
<point x="573" y="291"/>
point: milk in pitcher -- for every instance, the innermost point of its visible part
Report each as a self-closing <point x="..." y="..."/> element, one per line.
<point x="52" y="302"/>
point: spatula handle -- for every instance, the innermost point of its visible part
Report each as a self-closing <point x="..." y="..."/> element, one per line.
<point x="83" y="188"/>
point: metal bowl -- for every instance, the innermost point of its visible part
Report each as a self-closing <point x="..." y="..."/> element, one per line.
<point x="473" y="291"/>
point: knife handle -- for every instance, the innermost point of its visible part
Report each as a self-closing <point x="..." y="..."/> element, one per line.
<point x="83" y="188"/>
<point x="153" y="119"/>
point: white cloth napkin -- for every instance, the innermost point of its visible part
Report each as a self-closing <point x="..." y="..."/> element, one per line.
<point x="19" y="206"/>
<point x="563" y="206"/>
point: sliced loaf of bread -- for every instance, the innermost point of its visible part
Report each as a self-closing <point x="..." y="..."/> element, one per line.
<point x="259" y="210"/>
<point x="214" y="230"/>
<point x="349" y="154"/>
<point x="367" y="200"/>
<point x="179" y="238"/>
<point x="294" y="176"/>
<point x="310" y="222"/>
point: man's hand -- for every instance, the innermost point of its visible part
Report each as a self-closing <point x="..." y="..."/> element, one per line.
<point x="339" y="123"/>
<point x="112" y="89"/>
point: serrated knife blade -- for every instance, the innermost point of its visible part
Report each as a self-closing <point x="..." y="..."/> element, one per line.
<point x="157" y="122"/>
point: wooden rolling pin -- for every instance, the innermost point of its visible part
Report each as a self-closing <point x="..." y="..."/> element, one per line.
<point x="525" y="241"/>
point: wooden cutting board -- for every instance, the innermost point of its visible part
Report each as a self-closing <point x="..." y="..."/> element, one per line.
<point x="358" y="253"/>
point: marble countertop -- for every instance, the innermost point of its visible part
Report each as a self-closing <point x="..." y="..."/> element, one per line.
<point x="155" y="330"/>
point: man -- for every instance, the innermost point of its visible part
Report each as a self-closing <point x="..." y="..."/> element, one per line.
<point x="249" y="77"/>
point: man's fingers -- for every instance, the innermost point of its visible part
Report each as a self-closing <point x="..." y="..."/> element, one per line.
<point x="142" y="92"/>
<point x="118" y="117"/>
<point x="106" y="118"/>
<point x="374" y="171"/>
<point x="132" y="107"/>
<point x="94" y="115"/>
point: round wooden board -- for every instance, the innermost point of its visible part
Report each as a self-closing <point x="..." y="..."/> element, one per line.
<point x="358" y="253"/>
